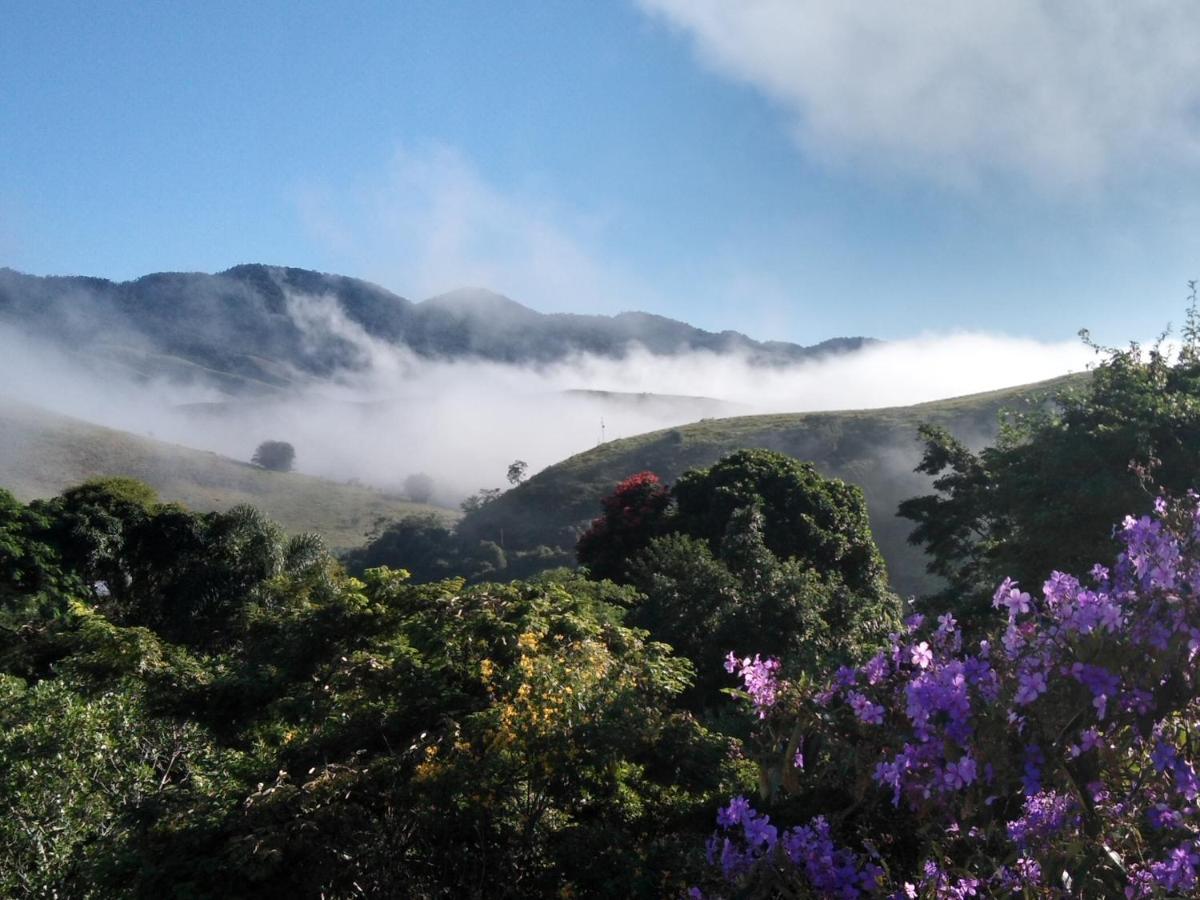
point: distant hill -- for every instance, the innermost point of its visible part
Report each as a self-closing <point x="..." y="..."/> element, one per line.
<point x="875" y="449"/>
<point x="41" y="453"/>
<point x="257" y="329"/>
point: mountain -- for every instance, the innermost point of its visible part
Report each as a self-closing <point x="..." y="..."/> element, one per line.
<point x="875" y="449"/>
<point x="259" y="329"/>
<point x="41" y="453"/>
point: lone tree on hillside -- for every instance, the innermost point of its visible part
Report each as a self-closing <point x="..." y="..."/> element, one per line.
<point x="516" y="471"/>
<point x="419" y="487"/>
<point x="277" y="456"/>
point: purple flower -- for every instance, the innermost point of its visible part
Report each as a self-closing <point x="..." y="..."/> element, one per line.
<point x="960" y="774"/>
<point x="1030" y="685"/>
<point x="876" y="669"/>
<point x="760" y="832"/>
<point x="1009" y="596"/>
<point x="759" y="676"/>
<point x="735" y="813"/>
<point x="871" y="713"/>
<point x="922" y="656"/>
<point x="1046" y="814"/>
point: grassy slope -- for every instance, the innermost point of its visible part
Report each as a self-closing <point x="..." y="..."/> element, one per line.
<point x="875" y="449"/>
<point x="41" y="453"/>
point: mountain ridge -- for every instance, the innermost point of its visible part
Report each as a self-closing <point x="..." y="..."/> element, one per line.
<point x="256" y="324"/>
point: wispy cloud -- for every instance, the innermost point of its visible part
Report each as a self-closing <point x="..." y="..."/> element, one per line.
<point x="1061" y="95"/>
<point x="432" y="222"/>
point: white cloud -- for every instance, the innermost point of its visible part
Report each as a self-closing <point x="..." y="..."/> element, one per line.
<point x="1063" y="94"/>
<point x="432" y="222"/>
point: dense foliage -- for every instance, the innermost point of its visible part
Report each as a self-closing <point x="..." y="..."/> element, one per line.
<point x="195" y="705"/>
<point x="430" y="550"/>
<point x="1046" y="495"/>
<point x="1055" y="759"/>
<point x="758" y="551"/>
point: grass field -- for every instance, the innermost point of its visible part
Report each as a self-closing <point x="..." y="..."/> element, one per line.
<point x="41" y="453"/>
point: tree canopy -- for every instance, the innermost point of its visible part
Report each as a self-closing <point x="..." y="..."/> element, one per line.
<point x="757" y="549"/>
<point x="1047" y="494"/>
<point x="237" y="717"/>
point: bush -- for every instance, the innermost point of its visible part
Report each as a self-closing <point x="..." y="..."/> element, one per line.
<point x="633" y="513"/>
<point x="1056" y="758"/>
<point x="759" y="551"/>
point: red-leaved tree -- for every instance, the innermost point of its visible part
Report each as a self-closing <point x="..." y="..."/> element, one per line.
<point x="633" y="514"/>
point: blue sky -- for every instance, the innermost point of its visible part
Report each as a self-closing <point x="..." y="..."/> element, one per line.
<point x="795" y="170"/>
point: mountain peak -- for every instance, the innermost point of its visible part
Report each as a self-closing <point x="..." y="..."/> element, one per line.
<point x="477" y="301"/>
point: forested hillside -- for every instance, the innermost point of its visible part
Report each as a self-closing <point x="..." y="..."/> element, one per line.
<point x="877" y="450"/>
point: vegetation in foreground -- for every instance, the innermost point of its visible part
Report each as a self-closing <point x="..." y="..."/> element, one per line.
<point x="195" y="704"/>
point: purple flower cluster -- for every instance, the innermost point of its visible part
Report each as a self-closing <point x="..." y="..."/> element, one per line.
<point x="1176" y="875"/>
<point x="936" y="688"/>
<point x="1046" y="815"/>
<point x="1080" y="720"/>
<point x="936" y="882"/>
<point x="747" y="839"/>
<point x="760" y="677"/>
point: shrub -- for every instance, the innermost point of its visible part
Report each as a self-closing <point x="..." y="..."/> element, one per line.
<point x="1056" y="757"/>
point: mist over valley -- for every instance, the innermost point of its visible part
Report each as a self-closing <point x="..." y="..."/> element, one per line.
<point x="372" y="388"/>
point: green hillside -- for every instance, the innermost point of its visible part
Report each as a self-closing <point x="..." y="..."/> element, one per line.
<point x="41" y="453"/>
<point x="875" y="449"/>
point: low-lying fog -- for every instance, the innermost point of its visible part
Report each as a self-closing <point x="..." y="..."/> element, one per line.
<point x="464" y="422"/>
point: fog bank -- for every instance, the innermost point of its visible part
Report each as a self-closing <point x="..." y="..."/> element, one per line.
<point x="463" y="422"/>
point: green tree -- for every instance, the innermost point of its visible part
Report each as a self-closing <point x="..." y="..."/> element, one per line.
<point x="1063" y="470"/>
<point x="278" y="456"/>
<point x="427" y="549"/>
<point x="481" y="498"/>
<point x="757" y="552"/>
<point x="821" y="523"/>
<point x="419" y="487"/>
